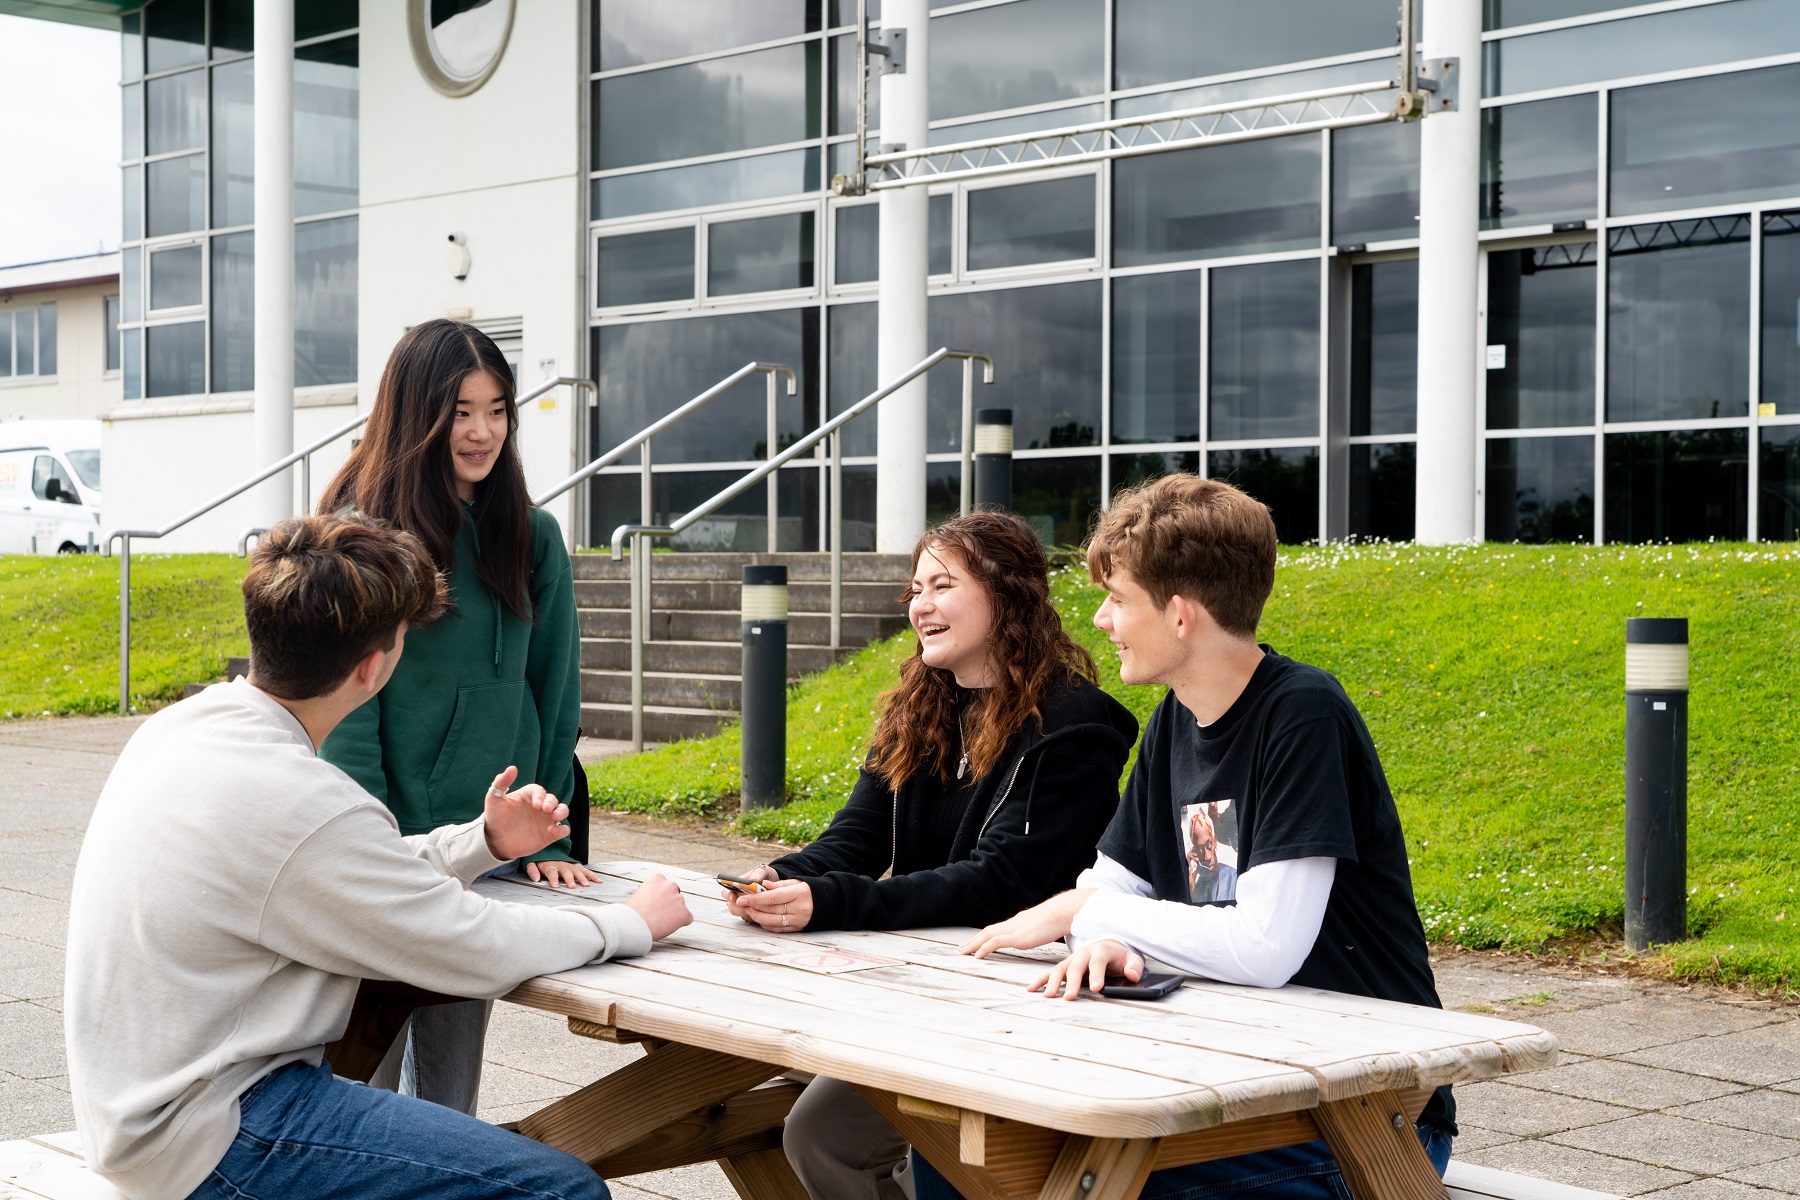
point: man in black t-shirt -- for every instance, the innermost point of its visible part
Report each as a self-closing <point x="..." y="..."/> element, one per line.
<point x="1257" y="842"/>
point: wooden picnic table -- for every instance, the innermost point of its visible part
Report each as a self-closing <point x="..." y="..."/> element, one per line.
<point x="1007" y="1093"/>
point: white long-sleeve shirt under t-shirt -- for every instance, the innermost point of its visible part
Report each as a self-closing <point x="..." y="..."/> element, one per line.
<point x="232" y="891"/>
<point x="1262" y="940"/>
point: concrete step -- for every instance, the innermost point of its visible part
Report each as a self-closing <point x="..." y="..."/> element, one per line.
<point x="709" y="693"/>
<point x="859" y="568"/>
<point x="804" y="629"/>
<point x="876" y="598"/>
<point x="698" y="658"/>
<point x="661" y="723"/>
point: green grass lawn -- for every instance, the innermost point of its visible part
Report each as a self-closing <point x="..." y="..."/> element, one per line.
<point x="59" y="629"/>
<point x="1492" y="680"/>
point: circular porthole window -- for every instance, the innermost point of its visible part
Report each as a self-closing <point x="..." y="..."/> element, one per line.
<point x="458" y="43"/>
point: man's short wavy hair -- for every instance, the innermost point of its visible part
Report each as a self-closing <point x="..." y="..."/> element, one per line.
<point x="323" y="592"/>
<point x="1199" y="538"/>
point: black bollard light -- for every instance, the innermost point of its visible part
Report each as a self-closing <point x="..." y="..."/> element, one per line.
<point x="764" y="607"/>
<point x="1656" y="703"/>
<point x="993" y="459"/>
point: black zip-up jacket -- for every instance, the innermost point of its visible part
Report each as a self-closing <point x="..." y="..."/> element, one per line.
<point x="1029" y="829"/>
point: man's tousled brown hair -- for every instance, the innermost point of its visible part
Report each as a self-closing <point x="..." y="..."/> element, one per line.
<point x="324" y="591"/>
<point x="1197" y="537"/>
<point x="1031" y="652"/>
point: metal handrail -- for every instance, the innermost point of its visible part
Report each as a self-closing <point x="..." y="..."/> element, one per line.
<point x="832" y="429"/>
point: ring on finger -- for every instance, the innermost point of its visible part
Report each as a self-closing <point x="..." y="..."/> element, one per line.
<point x="784" y="920"/>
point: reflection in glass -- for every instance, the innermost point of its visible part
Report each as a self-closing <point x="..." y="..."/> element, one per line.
<point x="1156" y="358"/>
<point x="131" y="134"/>
<point x="233" y="313"/>
<point x="843" y="87"/>
<point x="131" y="286"/>
<point x="1284" y="83"/>
<point x="177" y="112"/>
<point x="1031" y="223"/>
<point x="1541" y="309"/>
<point x="175" y="33"/>
<point x="738" y="526"/>
<point x="1502" y="14"/>
<point x="850" y="350"/>
<point x="175" y="278"/>
<point x="132" y="202"/>
<point x="1683" y="486"/>
<point x="1384" y="348"/>
<point x="325" y="302"/>
<point x="1286" y="479"/>
<point x="1540" y="489"/>
<point x="1045" y="343"/>
<point x="46" y="339"/>
<point x="1013" y="55"/>
<point x="6" y="345"/>
<point x="1778" y="496"/>
<point x="943" y="490"/>
<point x="24" y="335"/>
<point x="1264" y="370"/>
<point x="176" y="194"/>
<point x="316" y="18"/>
<point x="858" y="255"/>
<point x="233" y="26"/>
<point x="177" y="359"/>
<point x="1236" y="199"/>
<point x="739" y="102"/>
<point x="112" y="333"/>
<point x="1375" y="183"/>
<point x="234" y="144"/>
<point x="1159" y="40"/>
<point x="646" y="268"/>
<point x="1781" y="313"/>
<point x="1540" y="162"/>
<point x="1678" y="322"/>
<point x="1694" y="141"/>
<point x="1383" y="491"/>
<point x="131" y="47"/>
<point x="325" y="127"/>
<point x="132" y="350"/>
<point x="998" y="127"/>
<point x="1059" y="497"/>
<point x="767" y="254"/>
<point x="1129" y="470"/>
<point x="629" y="33"/>
<point x="758" y="177"/>
<point x="466" y="39"/>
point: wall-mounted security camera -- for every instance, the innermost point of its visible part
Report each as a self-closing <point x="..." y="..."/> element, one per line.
<point x="459" y="256"/>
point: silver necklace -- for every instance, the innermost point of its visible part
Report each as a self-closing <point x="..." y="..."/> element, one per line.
<point x="962" y="764"/>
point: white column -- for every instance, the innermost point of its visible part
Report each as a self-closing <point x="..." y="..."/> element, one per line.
<point x="274" y="69"/>
<point x="904" y="263"/>
<point x="1449" y="359"/>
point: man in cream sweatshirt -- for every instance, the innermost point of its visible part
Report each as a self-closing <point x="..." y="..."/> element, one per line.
<point x="234" y="889"/>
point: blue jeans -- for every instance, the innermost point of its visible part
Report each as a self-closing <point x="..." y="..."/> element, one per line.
<point x="305" y="1133"/>
<point x="1304" y="1172"/>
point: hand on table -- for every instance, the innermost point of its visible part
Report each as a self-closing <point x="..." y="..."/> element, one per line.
<point x="659" y="902"/>
<point x="561" y="874"/>
<point x="784" y="908"/>
<point x="521" y="822"/>
<point x="1094" y="962"/>
<point x="758" y="874"/>
<point x="1036" y="926"/>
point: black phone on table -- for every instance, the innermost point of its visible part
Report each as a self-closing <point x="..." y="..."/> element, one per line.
<point x="1148" y="987"/>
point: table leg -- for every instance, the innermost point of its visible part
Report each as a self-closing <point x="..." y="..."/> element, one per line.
<point x="1377" y="1148"/>
<point x="763" y="1175"/>
<point x="1100" y="1168"/>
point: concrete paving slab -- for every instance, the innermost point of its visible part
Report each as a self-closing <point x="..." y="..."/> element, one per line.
<point x="1783" y="1176"/>
<point x="1471" y="1138"/>
<point x="507" y="1087"/>
<point x="1578" y="1168"/>
<point x="1713" y="1189"/>
<point x="703" y="1181"/>
<point x="38" y="876"/>
<point x="1679" y="1143"/>
<point x="17" y="952"/>
<point x="31" y="1041"/>
<point x="1465" y="980"/>
<point x="530" y="1040"/>
<point x="1642" y="1022"/>
<point x="29" y="1106"/>
<point x="1625" y="1083"/>
<point x="1764" y="1055"/>
<point x="1763" y="1110"/>
<point x="40" y="983"/>
<point x="1528" y="1112"/>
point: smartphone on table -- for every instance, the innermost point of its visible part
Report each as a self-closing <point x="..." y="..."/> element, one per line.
<point x="1148" y="987"/>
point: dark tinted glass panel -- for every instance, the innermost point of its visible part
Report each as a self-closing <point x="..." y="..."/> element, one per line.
<point x="1375" y="183"/>
<point x="24" y="337"/>
<point x="1540" y="162"/>
<point x="234" y="144"/>
<point x="1129" y="470"/>
<point x="112" y="333"/>
<point x="1287" y="480"/>
<point x="325" y="127"/>
<point x="646" y="370"/>
<point x="858" y="244"/>
<point x="46" y="339"/>
<point x="325" y="302"/>
<point x="233" y="313"/>
<point x="1156" y="357"/>
<point x="768" y="254"/>
<point x="1281" y="83"/>
<point x="1500" y="14"/>
<point x="1781" y="314"/>
<point x="628" y="33"/>
<point x="1060" y="497"/>
<point x="735" y="103"/>
<point x="738" y="526"/>
<point x="132" y="350"/>
<point x="1384" y="348"/>
<point x="1045" y="343"/>
<point x="1541" y="309"/>
<point x="1265" y="351"/>
<point x="131" y="47"/>
<point x="759" y="177"/>
<point x="1694" y="141"/>
<point x="1684" y="486"/>
<point x="175" y="278"/>
<point x="131" y="144"/>
<point x="316" y="18"/>
<point x="131" y="283"/>
<point x="176" y="194"/>
<point x="6" y="345"/>
<point x="1159" y="40"/>
<point x="843" y="12"/>
<point x="1678" y="321"/>
<point x="1032" y="52"/>
<point x="850" y="365"/>
<point x="1778" y="501"/>
<point x="175" y="33"/>
<point x="1031" y="223"/>
<point x="233" y="26"/>
<point x="647" y="268"/>
<point x="843" y="87"/>
<point x="132" y="202"/>
<point x="1540" y="489"/>
<point x="938" y="235"/>
<point x="1032" y="122"/>
<point x="1236" y="199"/>
<point x="1383" y="482"/>
<point x="177" y="112"/>
<point x="177" y="355"/>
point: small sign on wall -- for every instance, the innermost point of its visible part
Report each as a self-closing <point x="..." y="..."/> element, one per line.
<point x="1496" y="357"/>
<point x="547" y="370"/>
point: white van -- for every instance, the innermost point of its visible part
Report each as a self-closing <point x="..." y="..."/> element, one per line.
<point x="49" y="486"/>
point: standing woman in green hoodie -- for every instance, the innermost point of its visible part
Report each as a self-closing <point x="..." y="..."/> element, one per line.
<point x="496" y="682"/>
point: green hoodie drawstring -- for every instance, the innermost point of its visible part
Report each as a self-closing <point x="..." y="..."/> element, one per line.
<point x="475" y="535"/>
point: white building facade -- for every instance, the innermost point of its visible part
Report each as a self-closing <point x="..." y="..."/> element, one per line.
<point x="59" y="337"/>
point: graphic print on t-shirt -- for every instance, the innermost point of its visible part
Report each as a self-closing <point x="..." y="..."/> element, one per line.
<point x="1209" y="838"/>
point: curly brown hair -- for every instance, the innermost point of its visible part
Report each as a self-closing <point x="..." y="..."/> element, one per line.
<point x="1031" y="652"/>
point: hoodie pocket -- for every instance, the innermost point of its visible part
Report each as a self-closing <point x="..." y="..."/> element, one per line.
<point x="482" y="740"/>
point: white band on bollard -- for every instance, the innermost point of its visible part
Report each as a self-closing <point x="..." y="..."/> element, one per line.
<point x="993" y="439"/>
<point x="765" y="602"/>
<point x="1656" y="667"/>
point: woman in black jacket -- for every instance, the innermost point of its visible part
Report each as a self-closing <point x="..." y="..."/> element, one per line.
<point x="992" y="773"/>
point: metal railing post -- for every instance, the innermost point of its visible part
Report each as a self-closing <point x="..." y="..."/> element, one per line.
<point x="837" y="539"/>
<point x="638" y="547"/>
<point x="646" y="504"/>
<point x="774" y="538"/>
<point x="306" y="485"/>
<point x="968" y="430"/>
<point x="125" y="625"/>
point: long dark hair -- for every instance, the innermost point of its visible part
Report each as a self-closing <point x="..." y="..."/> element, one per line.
<point x="1031" y="652"/>
<point x="402" y="471"/>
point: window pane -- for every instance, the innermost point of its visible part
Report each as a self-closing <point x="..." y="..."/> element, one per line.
<point x="234" y="313"/>
<point x="628" y="33"/>
<point x="1287" y="480"/>
<point x="736" y="103"/>
<point x="6" y="345"/>
<point x="938" y="235"/>
<point x="843" y="86"/>
<point x="1031" y="223"/>
<point x="134" y="364"/>
<point x="177" y="355"/>
<point x="768" y="254"/>
<point x="760" y="177"/>
<point x="998" y="127"/>
<point x="1778" y="504"/>
<point x="1285" y="83"/>
<point x="87" y="466"/>
<point x="858" y="249"/>
<point x="1541" y="309"/>
<point x="234" y="25"/>
<point x="1375" y="183"/>
<point x="1540" y="489"/>
<point x="1129" y="470"/>
<point x="1045" y="343"/>
<point x="1265" y="351"/>
<point x="647" y="268"/>
<point x="1501" y="14"/>
<point x="1781" y="314"/>
<point x="325" y="302"/>
<point x="1680" y="487"/>
<point x="132" y="202"/>
<point x="177" y="112"/>
<point x="131" y="47"/>
<point x="175" y="32"/>
<point x="850" y="373"/>
<point x="1678" y="322"/>
<point x="1383" y="491"/>
<point x="740" y="525"/>
<point x="131" y="288"/>
<point x="325" y="127"/>
<point x="131" y="135"/>
<point x="1540" y="162"/>
<point x="25" y="342"/>
<point x="1695" y="141"/>
<point x="46" y="315"/>
<point x="1058" y="497"/>
<point x="175" y="278"/>
<point x="1237" y="199"/>
<point x="1384" y="348"/>
<point x="1666" y="41"/>
<point x="1032" y="52"/>
<point x="177" y="195"/>
<point x="112" y="333"/>
<point x="1159" y="40"/>
<point x="316" y="18"/>
<point x="234" y="144"/>
<point x="1156" y="358"/>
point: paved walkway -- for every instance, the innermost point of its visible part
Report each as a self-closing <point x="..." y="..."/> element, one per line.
<point x="1683" y="1093"/>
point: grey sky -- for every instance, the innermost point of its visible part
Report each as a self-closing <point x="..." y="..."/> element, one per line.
<point x="59" y="140"/>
